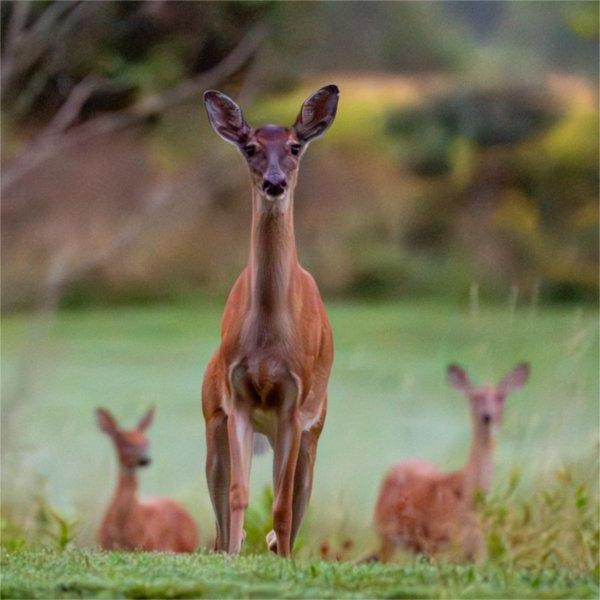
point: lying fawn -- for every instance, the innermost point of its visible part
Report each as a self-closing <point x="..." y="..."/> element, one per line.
<point x="157" y="524"/>
<point x="424" y="510"/>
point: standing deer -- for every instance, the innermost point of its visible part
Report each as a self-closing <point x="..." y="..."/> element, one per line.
<point x="270" y="372"/>
<point x="424" y="510"/>
<point x="157" y="524"/>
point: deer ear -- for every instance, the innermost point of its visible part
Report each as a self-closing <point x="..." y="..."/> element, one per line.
<point x="457" y="378"/>
<point x="147" y="419"/>
<point x="106" y="422"/>
<point x="317" y="113"/>
<point x="515" y="379"/>
<point x="226" y="117"/>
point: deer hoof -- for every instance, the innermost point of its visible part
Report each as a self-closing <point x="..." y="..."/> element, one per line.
<point x="272" y="541"/>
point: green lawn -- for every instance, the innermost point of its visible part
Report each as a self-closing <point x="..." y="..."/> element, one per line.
<point x="76" y="574"/>
<point x="388" y="400"/>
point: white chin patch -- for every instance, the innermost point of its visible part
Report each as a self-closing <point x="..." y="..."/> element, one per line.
<point x="274" y="198"/>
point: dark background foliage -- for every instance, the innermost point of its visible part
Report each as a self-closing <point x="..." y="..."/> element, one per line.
<point x="465" y="152"/>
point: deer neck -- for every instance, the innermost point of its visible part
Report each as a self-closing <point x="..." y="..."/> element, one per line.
<point x="125" y="497"/>
<point x="273" y="256"/>
<point x="479" y="470"/>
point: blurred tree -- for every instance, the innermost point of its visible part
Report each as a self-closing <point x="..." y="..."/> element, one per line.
<point x="514" y="171"/>
<point x="75" y="70"/>
<point x="559" y="34"/>
<point x="81" y="81"/>
<point x="366" y="36"/>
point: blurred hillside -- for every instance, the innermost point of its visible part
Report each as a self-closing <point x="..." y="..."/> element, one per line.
<point x="465" y="151"/>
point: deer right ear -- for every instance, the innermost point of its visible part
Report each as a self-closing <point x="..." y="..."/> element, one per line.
<point x="226" y="117"/>
<point x="106" y="422"/>
<point x="457" y="378"/>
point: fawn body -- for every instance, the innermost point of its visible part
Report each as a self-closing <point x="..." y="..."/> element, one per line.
<point x="271" y="370"/>
<point x="422" y="509"/>
<point x="156" y="524"/>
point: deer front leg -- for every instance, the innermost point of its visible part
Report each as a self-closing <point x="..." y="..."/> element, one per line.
<point x="303" y="480"/>
<point x="287" y="446"/>
<point x="239" y="433"/>
<point x="217" y="475"/>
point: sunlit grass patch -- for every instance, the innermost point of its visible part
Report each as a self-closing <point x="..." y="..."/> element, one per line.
<point x="47" y="574"/>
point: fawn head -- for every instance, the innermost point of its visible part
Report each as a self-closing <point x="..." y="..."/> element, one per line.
<point x="272" y="152"/>
<point x="487" y="402"/>
<point x="131" y="444"/>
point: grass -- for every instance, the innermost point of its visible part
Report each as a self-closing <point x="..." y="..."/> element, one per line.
<point x="387" y="401"/>
<point x="75" y="574"/>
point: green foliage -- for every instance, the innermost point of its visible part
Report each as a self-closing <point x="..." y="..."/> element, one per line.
<point x="258" y="522"/>
<point x="525" y="176"/>
<point x="12" y="536"/>
<point x="56" y="527"/>
<point x="553" y="525"/>
<point x="48" y="528"/>
<point x="131" y="48"/>
<point x="46" y="574"/>
<point x="583" y="18"/>
<point x="486" y="117"/>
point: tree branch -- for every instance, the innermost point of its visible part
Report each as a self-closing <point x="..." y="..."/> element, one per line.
<point x="69" y="112"/>
<point x="45" y="147"/>
<point x="32" y="43"/>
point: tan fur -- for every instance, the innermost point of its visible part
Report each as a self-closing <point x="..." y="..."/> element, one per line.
<point x="271" y="370"/>
<point x="426" y="511"/>
<point x="156" y="524"/>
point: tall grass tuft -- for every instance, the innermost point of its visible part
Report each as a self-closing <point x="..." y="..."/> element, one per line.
<point x="555" y="524"/>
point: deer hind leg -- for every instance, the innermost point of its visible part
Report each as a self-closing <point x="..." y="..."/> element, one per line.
<point x="303" y="479"/>
<point x="217" y="475"/>
<point x="239" y="432"/>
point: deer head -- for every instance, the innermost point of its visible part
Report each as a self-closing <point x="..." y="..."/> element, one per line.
<point x="487" y="402"/>
<point x="272" y="152"/>
<point x="132" y="444"/>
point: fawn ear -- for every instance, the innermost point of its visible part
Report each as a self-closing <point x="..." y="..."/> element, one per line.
<point x="226" y="117"/>
<point x="106" y="422"/>
<point x="147" y="419"/>
<point x="515" y="379"/>
<point x="317" y="113"/>
<point x="457" y="378"/>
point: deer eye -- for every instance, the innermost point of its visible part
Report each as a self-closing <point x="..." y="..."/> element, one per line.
<point x="295" y="149"/>
<point x="249" y="150"/>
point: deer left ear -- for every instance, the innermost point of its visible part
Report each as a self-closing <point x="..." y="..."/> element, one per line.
<point x="515" y="379"/>
<point x="317" y="114"/>
<point x="146" y="420"/>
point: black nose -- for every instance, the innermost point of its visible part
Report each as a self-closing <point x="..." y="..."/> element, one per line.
<point x="144" y="461"/>
<point x="274" y="185"/>
<point x="486" y="418"/>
